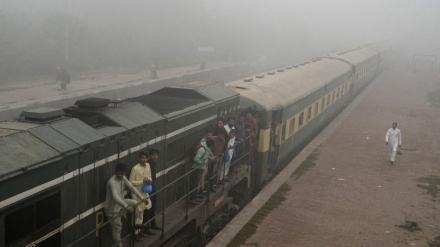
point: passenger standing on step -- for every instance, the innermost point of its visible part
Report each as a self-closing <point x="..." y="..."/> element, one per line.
<point x="150" y="214"/>
<point x="240" y="136"/>
<point x="200" y="166"/>
<point x="217" y="150"/>
<point x="231" y="124"/>
<point x="115" y="204"/>
<point x="140" y="175"/>
<point x="229" y="154"/>
<point x="393" y="139"/>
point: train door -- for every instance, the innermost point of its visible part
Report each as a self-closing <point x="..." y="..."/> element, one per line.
<point x="273" y="146"/>
<point x="86" y="197"/>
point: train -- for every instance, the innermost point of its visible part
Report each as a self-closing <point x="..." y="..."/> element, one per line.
<point x="54" y="163"/>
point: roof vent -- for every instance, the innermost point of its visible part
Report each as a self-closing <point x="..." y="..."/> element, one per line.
<point x="116" y="102"/>
<point x="280" y="70"/>
<point x="271" y="73"/>
<point x="42" y="114"/>
<point x="92" y="103"/>
<point x="260" y="76"/>
<point x="248" y="79"/>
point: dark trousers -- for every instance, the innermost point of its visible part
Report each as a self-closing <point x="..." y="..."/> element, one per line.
<point x="150" y="213"/>
<point x="197" y="175"/>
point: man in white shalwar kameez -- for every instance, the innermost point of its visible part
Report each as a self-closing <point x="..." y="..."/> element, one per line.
<point x="393" y="139"/>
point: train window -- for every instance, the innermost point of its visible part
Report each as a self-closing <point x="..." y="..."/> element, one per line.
<point x="309" y="113"/>
<point x="32" y="217"/>
<point x="300" y="119"/>
<point x="337" y="92"/>
<point x="46" y="209"/>
<point x="322" y="103"/>
<point x="292" y="126"/>
<point x="316" y="108"/>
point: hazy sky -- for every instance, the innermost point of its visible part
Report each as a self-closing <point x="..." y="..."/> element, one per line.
<point x="277" y="26"/>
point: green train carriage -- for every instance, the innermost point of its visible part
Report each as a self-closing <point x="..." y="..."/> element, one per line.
<point x="54" y="166"/>
<point x="301" y="99"/>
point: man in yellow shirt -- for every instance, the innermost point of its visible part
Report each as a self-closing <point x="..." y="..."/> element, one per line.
<point x="140" y="175"/>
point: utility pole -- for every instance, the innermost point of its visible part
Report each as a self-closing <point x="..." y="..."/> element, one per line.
<point x="65" y="25"/>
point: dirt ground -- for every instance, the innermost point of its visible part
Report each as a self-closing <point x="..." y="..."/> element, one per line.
<point x="353" y="196"/>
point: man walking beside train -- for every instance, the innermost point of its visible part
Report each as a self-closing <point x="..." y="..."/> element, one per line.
<point x="393" y="139"/>
<point x="115" y="204"/>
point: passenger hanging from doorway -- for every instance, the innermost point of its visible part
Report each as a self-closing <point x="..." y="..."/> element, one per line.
<point x="240" y="138"/>
<point x="252" y="122"/>
<point x="251" y="144"/>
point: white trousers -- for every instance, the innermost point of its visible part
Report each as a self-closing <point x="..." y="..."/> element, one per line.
<point x="392" y="150"/>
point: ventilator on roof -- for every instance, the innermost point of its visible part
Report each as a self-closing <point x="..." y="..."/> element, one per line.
<point x="42" y="114"/>
<point x="248" y="79"/>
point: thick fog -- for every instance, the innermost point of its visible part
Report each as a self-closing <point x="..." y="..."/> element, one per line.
<point x="127" y="36"/>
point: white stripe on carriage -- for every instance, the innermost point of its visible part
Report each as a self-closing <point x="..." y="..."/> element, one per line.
<point x="190" y="126"/>
<point x="89" y="167"/>
<point x="30" y="192"/>
<point x="50" y="234"/>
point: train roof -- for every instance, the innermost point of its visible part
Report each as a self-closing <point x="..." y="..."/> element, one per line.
<point x="283" y="88"/>
<point x="380" y="46"/>
<point x="185" y="97"/>
<point x="131" y="115"/>
<point x="215" y="91"/>
<point x="356" y="56"/>
<point x="24" y="145"/>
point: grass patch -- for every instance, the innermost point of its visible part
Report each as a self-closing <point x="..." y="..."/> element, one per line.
<point x="435" y="242"/>
<point x="251" y="227"/>
<point x="410" y="226"/>
<point x="306" y="165"/>
<point x="432" y="187"/>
